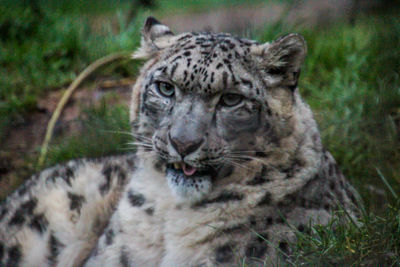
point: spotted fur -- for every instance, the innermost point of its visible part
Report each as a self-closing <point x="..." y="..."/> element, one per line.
<point x="229" y="108"/>
<point x="55" y="218"/>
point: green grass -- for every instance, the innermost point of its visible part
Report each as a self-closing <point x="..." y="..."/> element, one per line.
<point x="172" y="6"/>
<point x="376" y="242"/>
<point x="106" y="131"/>
<point x="46" y="52"/>
<point x="357" y="99"/>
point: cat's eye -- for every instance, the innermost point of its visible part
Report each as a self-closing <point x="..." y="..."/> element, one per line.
<point x="165" y="89"/>
<point x="230" y="100"/>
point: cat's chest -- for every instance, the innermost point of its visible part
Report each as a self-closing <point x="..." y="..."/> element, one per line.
<point x="178" y="233"/>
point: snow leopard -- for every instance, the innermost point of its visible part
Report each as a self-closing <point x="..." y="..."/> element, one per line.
<point x="229" y="166"/>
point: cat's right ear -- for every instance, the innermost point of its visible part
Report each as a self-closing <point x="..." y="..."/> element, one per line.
<point x="280" y="61"/>
<point x="155" y="37"/>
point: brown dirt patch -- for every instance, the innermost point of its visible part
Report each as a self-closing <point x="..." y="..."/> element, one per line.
<point x="20" y="151"/>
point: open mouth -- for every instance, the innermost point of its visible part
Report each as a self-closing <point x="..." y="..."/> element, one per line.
<point x="190" y="183"/>
<point x="190" y="172"/>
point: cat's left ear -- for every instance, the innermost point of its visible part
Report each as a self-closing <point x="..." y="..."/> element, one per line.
<point x="155" y="37"/>
<point x="280" y="61"/>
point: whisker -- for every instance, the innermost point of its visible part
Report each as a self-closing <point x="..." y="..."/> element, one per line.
<point x="135" y="135"/>
<point x="246" y="157"/>
<point x="118" y="132"/>
<point x="127" y="148"/>
<point x="140" y="137"/>
<point x="135" y="145"/>
<point x="235" y="163"/>
<point x="245" y="151"/>
<point x="140" y="144"/>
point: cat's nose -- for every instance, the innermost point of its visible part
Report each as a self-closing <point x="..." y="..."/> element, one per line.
<point x="185" y="144"/>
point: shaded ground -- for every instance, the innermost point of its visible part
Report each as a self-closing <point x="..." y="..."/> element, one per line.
<point x="30" y="132"/>
<point x="20" y="151"/>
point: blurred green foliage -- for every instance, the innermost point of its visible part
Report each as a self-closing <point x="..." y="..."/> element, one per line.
<point x="197" y="6"/>
<point x="374" y="242"/>
<point x="46" y="49"/>
<point x="106" y="131"/>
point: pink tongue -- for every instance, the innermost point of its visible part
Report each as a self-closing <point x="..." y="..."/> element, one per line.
<point x="188" y="170"/>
